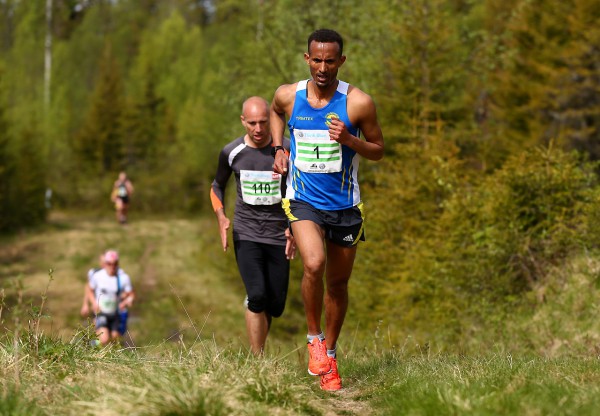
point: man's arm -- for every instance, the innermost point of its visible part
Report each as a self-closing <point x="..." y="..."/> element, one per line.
<point x="363" y="114"/>
<point x="127" y="295"/>
<point x="217" y="197"/>
<point x="290" y="245"/>
<point x="127" y="299"/>
<point x="281" y="106"/>
<point x="85" y="307"/>
<point x="129" y="186"/>
<point x="92" y="298"/>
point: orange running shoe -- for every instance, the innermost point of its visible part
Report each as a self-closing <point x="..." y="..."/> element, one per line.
<point x="331" y="381"/>
<point x="318" y="361"/>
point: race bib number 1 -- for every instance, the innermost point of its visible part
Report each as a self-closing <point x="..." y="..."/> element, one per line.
<point x="260" y="187"/>
<point x="316" y="152"/>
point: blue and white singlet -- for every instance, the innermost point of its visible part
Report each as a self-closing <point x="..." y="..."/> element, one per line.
<point x="323" y="172"/>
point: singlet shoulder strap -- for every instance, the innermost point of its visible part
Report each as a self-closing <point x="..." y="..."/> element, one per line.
<point x="118" y="290"/>
<point x="343" y="87"/>
<point x="302" y="85"/>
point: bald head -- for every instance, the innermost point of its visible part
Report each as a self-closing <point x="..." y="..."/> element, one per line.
<point x="255" y="104"/>
<point x="255" y="118"/>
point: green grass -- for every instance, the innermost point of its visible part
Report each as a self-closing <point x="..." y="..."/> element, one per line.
<point x="72" y="378"/>
<point x="488" y="385"/>
<point x="191" y="355"/>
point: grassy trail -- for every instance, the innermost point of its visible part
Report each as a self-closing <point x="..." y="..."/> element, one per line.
<point x="186" y="286"/>
<point x="191" y="356"/>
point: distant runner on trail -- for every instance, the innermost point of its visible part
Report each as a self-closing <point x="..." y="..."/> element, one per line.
<point x="326" y="118"/>
<point x="88" y="297"/>
<point x="261" y="239"/>
<point x="111" y="292"/>
<point x="121" y="195"/>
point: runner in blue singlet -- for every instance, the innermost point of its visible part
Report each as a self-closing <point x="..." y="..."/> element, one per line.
<point x="326" y="118"/>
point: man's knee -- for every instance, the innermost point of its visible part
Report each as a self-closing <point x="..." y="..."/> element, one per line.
<point x="103" y="335"/>
<point x="337" y="286"/>
<point x="257" y="304"/>
<point x="276" y="308"/>
<point x="314" y="268"/>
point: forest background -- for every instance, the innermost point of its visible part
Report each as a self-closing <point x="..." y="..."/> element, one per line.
<point x="483" y="220"/>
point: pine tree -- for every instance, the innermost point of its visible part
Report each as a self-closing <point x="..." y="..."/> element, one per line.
<point x="100" y="142"/>
<point x="6" y="166"/>
<point x="421" y="105"/>
<point x="548" y="87"/>
<point x="29" y="188"/>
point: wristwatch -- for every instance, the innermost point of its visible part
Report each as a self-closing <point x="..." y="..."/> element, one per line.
<point x="275" y="149"/>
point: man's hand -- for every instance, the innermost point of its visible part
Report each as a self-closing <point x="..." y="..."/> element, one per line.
<point x="339" y="132"/>
<point x="280" y="165"/>
<point x="290" y="245"/>
<point x="85" y="310"/>
<point x="224" y="224"/>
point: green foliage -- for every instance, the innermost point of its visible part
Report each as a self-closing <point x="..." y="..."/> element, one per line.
<point x="6" y="162"/>
<point x="22" y="176"/>
<point x="428" y="65"/>
<point x="100" y="142"/>
<point x="28" y="186"/>
<point x="524" y="218"/>
<point x="25" y="67"/>
<point x="171" y="59"/>
<point x="178" y="264"/>
<point x="493" y="383"/>
<point x="404" y="201"/>
<point x="467" y="218"/>
<point x="570" y="294"/>
<point x="547" y="87"/>
<point x="15" y="403"/>
<point x="207" y="380"/>
<point x="492" y="244"/>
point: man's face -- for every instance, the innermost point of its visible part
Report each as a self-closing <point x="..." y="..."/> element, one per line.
<point x="324" y="60"/>
<point x="256" y="122"/>
<point x="111" y="267"/>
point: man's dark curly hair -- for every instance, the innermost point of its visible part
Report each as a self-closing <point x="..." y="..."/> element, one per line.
<point x="326" y="36"/>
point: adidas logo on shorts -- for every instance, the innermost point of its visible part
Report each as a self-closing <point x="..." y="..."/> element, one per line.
<point x="349" y="238"/>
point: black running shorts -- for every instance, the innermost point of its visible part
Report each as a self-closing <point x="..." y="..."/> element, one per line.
<point x="107" y="321"/>
<point x="344" y="227"/>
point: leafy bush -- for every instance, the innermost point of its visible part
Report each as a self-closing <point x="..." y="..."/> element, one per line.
<point x="492" y="246"/>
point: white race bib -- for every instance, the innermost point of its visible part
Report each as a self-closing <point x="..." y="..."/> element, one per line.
<point x="261" y="187"/>
<point x="316" y="152"/>
<point x="108" y="303"/>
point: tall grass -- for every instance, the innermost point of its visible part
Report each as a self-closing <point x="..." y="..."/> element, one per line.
<point x="47" y="375"/>
<point x="71" y="378"/>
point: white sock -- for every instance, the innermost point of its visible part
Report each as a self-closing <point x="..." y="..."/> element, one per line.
<point x="310" y="337"/>
<point x="331" y="353"/>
